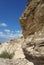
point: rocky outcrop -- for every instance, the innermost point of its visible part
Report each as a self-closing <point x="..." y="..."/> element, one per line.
<point x="13" y="46"/>
<point x="32" y="19"/>
<point x="34" y="48"/>
<point x="15" y="62"/>
<point x="32" y="23"/>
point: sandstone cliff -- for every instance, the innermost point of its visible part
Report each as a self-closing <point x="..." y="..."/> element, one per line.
<point x="13" y="46"/>
<point x="30" y="49"/>
<point x="33" y="48"/>
<point x="32" y="19"/>
<point x="32" y="23"/>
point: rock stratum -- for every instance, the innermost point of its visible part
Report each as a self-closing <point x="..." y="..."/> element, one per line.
<point x="32" y="19"/>
<point x="33" y="48"/>
<point x="32" y="23"/>
<point x="14" y="46"/>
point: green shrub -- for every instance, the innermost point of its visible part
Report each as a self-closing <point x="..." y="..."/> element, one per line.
<point x="5" y="54"/>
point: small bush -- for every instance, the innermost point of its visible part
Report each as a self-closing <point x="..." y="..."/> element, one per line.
<point x="5" y="54"/>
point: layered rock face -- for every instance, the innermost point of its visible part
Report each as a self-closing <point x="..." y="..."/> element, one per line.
<point x="32" y="23"/>
<point x="32" y="19"/>
<point x="33" y="48"/>
<point x="13" y="46"/>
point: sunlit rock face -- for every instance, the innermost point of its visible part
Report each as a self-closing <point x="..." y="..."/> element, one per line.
<point x="32" y="19"/>
<point x="13" y="46"/>
<point x="19" y="61"/>
<point x="33" y="48"/>
<point x="32" y="23"/>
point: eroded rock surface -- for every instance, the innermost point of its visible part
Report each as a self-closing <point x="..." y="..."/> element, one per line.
<point x="32" y="19"/>
<point x="15" y="62"/>
<point x="34" y="48"/>
<point x="32" y="23"/>
<point x="13" y="46"/>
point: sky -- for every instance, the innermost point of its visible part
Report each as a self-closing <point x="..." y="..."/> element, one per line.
<point x="10" y="12"/>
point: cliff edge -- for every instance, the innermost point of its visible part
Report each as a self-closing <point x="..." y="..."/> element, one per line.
<point x="32" y="23"/>
<point x="32" y="20"/>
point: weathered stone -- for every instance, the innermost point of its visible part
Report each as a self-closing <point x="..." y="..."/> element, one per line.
<point x="32" y="23"/>
<point x="13" y="46"/>
<point x="32" y="19"/>
<point x="33" y="48"/>
<point x="15" y="62"/>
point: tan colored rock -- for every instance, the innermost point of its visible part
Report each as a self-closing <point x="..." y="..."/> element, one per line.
<point x="19" y="61"/>
<point x="34" y="48"/>
<point x="32" y="23"/>
<point x="32" y="19"/>
<point x="13" y="46"/>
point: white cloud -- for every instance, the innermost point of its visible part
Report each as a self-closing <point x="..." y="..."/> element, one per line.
<point x="3" y="24"/>
<point x="7" y="30"/>
<point x="18" y="31"/>
<point x="11" y="35"/>
<point x="1" y="33"/>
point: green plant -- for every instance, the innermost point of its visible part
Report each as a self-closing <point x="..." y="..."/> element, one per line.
<point x="5" y="54"/>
